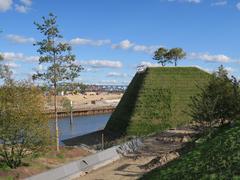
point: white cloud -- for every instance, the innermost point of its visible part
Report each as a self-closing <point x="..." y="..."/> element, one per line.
<point x="20" y="39"/>
<point x="125" y="44"/>
<point x="125" y="82"/>
<point x="40" y="68"/>
<point x="12" y="56"/>
<point x="149" y="64"/>
<point x="230" y="70"/>
<point x="31" y="58"/>
<point x="113" y="82"/>
<point x="78" y="79"/>
<point x="204" y="69"/>
<point x="5" y="5"/>
<point x="26" y="2"/>
<point x="186" y="1"/>
<point x="108" y="82"/>
<point x="21" y="8"/>
<point x="238" y="6"/>
<point x="102" y="63"/>
<point x="83" y="41"/>
<point x="116" y="74"/>
<point x="219" y="3"/>
<point x="209" y="58"/>
<point x="146" y="49"/>
<point x="26" y="75"/>
<point x="12" y="65"/>
<point x="128" y="45"/>
<point x="24" y="6"/>
<point x="87" y="69"/>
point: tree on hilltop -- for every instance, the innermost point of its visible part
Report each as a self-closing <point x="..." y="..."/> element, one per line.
<point x="163" y="55"/>
<point x="160" y="56"/>
<point x="175" y="54"/>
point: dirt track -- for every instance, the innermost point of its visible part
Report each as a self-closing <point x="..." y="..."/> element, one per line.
<point x="156" y="151"/>
<point x="122" y="169"/>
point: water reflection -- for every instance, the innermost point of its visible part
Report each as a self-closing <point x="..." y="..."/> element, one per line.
<point x="81" y="125"/>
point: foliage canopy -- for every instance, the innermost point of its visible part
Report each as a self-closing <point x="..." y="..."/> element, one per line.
<point x="58" y="59"/>
<point x="218" y="101"/>
<point x="23" y="125"/>
<point x="164" y="56"/>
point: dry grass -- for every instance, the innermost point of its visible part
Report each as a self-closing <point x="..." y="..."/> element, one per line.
<point x="84" y="101"/>
<point x="43" y="162"/>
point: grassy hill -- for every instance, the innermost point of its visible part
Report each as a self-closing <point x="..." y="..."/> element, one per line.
<point x="155" y="100"/>
<point x="217" y="158"/>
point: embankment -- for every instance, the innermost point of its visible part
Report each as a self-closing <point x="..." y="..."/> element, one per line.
<point x="155" y="100"/>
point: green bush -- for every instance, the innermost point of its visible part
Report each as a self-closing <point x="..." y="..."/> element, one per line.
<point x="218" y="101"/>
<point x="23" y="126"/>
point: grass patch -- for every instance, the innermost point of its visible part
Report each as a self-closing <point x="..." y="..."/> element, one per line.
<point x="215" y="158"/>
<point x="156" y="100"/>
<point x="60" y="156"/>
<point x="7" y="178"/>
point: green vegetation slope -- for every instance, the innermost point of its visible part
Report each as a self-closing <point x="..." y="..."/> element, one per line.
<point x="217" y="158"/>
<point x="155" y="100"/>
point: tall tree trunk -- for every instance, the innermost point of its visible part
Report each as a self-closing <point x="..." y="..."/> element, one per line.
<point x="56" y="118"/>
<point x="55" y="99"/>
<point x="175" y="63"/>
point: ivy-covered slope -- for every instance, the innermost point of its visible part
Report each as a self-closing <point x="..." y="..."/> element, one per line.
<point x="155" y="100"/>
<point x="217" y="158"/>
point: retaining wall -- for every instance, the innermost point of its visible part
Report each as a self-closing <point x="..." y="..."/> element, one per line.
<point x="89" y="163"/>
<point x="82" y="112"/>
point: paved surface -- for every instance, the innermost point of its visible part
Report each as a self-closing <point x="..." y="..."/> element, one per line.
<point x="157" y="151"/>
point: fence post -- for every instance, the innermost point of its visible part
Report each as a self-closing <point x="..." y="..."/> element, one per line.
<point x="71" y="113"/>
<point x="102" y="141"/>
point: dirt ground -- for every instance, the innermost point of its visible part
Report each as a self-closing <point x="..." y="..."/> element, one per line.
<point x="156" y="151"/>
<point x="123" y="169"/>
<point x="95" y="99"/>
<point x="89" y="96"/>
<point x="88" y="100"/>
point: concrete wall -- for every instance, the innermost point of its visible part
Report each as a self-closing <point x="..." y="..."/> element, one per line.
<point x="89" y="163"/>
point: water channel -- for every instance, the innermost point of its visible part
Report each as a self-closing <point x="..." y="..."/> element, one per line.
<point x="81" y="125"/>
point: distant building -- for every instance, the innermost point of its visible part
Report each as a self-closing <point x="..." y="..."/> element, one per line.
<point x="106" y="88"/>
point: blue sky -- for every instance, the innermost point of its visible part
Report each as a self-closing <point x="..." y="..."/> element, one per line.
<point x="111" y="37"/>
